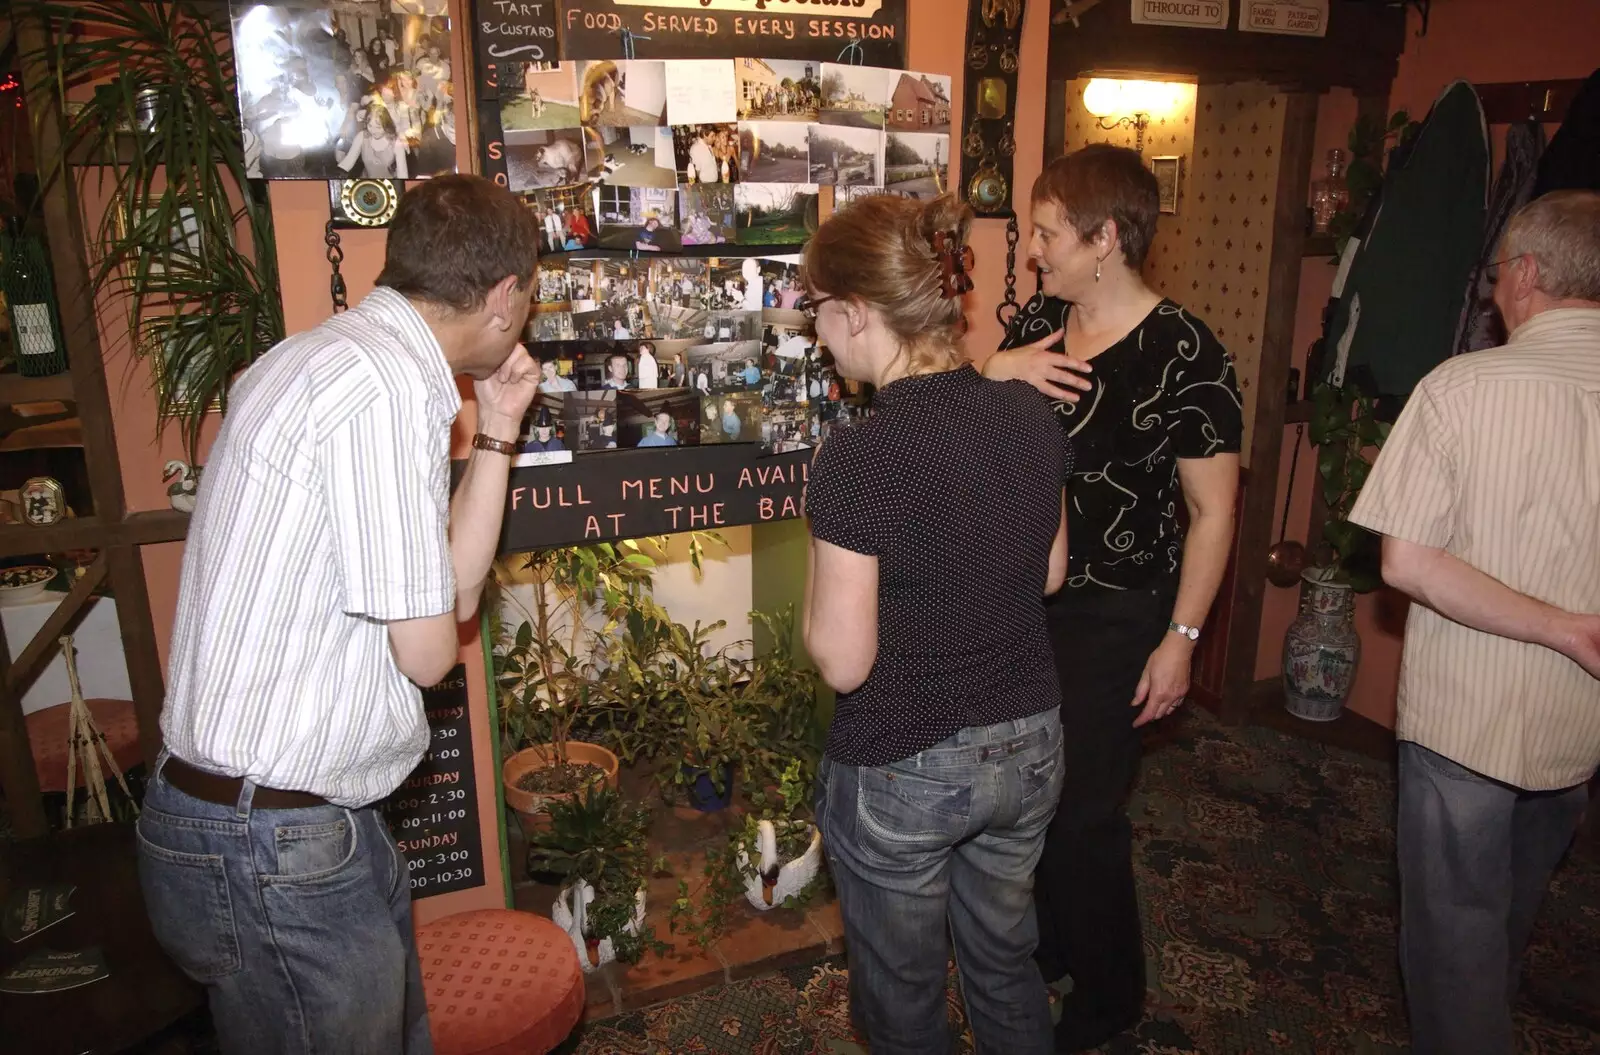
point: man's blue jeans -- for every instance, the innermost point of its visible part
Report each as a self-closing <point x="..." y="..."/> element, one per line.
<point x="1475" y="860"/>
<point x="297" y="922"/>
<point x="949" y="835"/>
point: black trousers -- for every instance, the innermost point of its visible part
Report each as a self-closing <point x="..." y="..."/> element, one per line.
<point x="1083" y="888"/>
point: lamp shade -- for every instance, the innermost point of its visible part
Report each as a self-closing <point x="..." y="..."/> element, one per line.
<point x="1102" y="97"/>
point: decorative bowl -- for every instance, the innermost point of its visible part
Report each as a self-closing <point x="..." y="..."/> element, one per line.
<point x="20" y="585"/>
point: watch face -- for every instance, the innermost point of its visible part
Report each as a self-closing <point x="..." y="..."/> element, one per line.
<point x="364" y="202"/>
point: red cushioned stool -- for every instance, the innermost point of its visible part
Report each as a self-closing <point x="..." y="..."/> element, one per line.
<point x="47" y="733"/>
<point x="499" y="983"/>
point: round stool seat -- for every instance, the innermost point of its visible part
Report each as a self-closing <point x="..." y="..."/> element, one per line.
<point x="48" y="730"/>
<point x="499" y="983"/>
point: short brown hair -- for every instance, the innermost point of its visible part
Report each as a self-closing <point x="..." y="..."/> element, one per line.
<point x="880" y="249"/>
<point x="1103" y="182"/>
<point x="1562" y="232"/>
<point x="455" y="238"/>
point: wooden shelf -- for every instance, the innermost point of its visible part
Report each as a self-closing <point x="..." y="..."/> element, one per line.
<point x="51" y="433"/>
<point x="14" y="389"/>
<point x="1319" y="245"/>
<point x="139" y="529"/>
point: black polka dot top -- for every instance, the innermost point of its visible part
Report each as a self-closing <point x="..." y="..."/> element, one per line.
<point x="954" y="484"/>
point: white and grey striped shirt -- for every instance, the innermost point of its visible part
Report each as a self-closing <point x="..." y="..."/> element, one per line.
<point x="1496" y="459"/>
<point x="322" y="514"/>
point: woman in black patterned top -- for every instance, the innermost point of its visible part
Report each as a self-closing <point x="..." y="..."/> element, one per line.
<point x="1150" y="400"/>
<point x="937" y="530"/>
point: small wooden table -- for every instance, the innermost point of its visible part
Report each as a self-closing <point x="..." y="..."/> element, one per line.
<point x="145" y="992"/>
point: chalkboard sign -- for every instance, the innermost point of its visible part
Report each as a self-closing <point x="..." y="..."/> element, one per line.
<point x="513" y="30"/>
<point x="628" y="494"/>
<point x="434" y="813"/>
<point x="859" y="32"/>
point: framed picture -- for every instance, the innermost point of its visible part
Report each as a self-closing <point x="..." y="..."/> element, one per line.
<point x="185" y="237"/>
<point x="171" y="391"/>
<point x="1169" y="178"/>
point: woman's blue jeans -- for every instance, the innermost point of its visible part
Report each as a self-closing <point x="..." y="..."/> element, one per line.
<point x="947" y="837"/>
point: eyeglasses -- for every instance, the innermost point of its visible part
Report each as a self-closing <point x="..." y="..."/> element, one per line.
<point x="1492" y="272"/>
<point x="810" y="305"/>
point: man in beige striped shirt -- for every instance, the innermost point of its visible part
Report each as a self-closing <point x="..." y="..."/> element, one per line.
<point x="1487" y="494"/>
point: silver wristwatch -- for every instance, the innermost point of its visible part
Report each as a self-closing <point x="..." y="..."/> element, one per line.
<point x="1190" y="632"/>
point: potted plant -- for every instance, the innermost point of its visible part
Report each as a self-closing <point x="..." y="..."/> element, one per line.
<point x="186" y="238"/>
<point x="710" y="728"/>
<point x="1321" y="649"/>
<point x="548" y="672"/>
<point x="598" y="844"/>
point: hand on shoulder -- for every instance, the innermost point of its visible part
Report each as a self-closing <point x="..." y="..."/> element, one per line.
<point x="1053" y="372"/>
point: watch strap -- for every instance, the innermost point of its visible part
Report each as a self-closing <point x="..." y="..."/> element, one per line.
<point x="483" y="442"/>
<point x="1190" y="632"/>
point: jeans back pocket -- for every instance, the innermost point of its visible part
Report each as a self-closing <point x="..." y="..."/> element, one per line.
<point x="186" y="896"/>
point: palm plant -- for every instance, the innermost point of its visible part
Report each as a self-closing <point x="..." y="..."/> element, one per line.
<point x="186" y="241"/>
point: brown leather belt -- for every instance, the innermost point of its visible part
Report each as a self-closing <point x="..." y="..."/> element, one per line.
<point x="224" y="791"/>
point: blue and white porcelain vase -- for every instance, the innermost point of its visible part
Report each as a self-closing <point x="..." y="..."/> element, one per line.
<point x="1321" y="649"/>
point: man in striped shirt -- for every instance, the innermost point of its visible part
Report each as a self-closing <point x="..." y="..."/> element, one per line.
<point x="1487" y="494"/>
<point x="326" y="569"/>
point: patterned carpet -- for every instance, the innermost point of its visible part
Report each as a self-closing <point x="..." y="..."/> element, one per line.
<point x="1265" y="867"/>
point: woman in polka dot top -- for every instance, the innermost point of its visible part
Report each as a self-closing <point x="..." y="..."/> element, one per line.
<point x="937" y="530"/>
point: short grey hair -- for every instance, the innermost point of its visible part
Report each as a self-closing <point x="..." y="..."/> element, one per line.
<point x="1561" y="231"/>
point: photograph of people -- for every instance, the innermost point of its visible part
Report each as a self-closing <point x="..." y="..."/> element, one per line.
<point x="544" y="436"/>
<point x="1098" y="342"/>
<point x="943" y="759"/>
<point x="730" y="422"/>
<point x="335" y="95"/>
<point x="616" y="371"/>
<point x="646" y="368"/>
<point x="662" y="435"/>
<point x="551" y="381"/>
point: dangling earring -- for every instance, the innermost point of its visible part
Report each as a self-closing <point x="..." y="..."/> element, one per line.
<point x="1097" y="270"/>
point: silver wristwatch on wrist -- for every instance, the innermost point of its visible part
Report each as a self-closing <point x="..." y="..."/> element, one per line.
<point x="1190" y="632"/>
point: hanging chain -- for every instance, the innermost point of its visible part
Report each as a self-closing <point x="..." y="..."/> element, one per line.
<point x="335" y="257"/>
<point x="1008" y="307"/>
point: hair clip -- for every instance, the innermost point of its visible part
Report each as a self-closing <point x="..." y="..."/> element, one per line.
<point x="955" y="261"/>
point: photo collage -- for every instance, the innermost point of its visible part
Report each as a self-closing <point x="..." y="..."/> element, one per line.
<point x="675" y="351"/>
<point x="652" y="156"/>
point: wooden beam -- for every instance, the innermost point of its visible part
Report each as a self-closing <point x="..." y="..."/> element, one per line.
<point x="145" y="678"/>
<point x="18" y="776"/>
<point x="1055" y="120"/>
<point x="1277" y="348"/>
<point x="69" y="611"/>
<point x="1361" y="50"/>
<point x="108" y="527"/>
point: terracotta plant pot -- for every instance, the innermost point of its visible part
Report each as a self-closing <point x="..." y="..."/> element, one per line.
<point x="542" y="756"/>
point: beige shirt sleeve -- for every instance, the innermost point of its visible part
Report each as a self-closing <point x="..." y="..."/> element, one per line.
<point x="1412" y="491"/>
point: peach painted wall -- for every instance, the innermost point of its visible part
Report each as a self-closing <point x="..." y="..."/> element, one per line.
<point x="1477" y="40"/>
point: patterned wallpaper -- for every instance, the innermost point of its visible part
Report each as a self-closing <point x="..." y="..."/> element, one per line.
<point x="1212" y="256"/>
<point x="1238" y="133"/>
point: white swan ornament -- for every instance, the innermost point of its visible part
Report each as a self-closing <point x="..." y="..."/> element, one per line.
<point x="183" y="485"/>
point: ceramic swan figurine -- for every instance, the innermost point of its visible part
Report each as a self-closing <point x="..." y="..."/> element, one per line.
<point x="183" y="485"/>
<point x="769" y="865"/>
<point x="776" y="881"/>
<point x="571" y="913"/>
